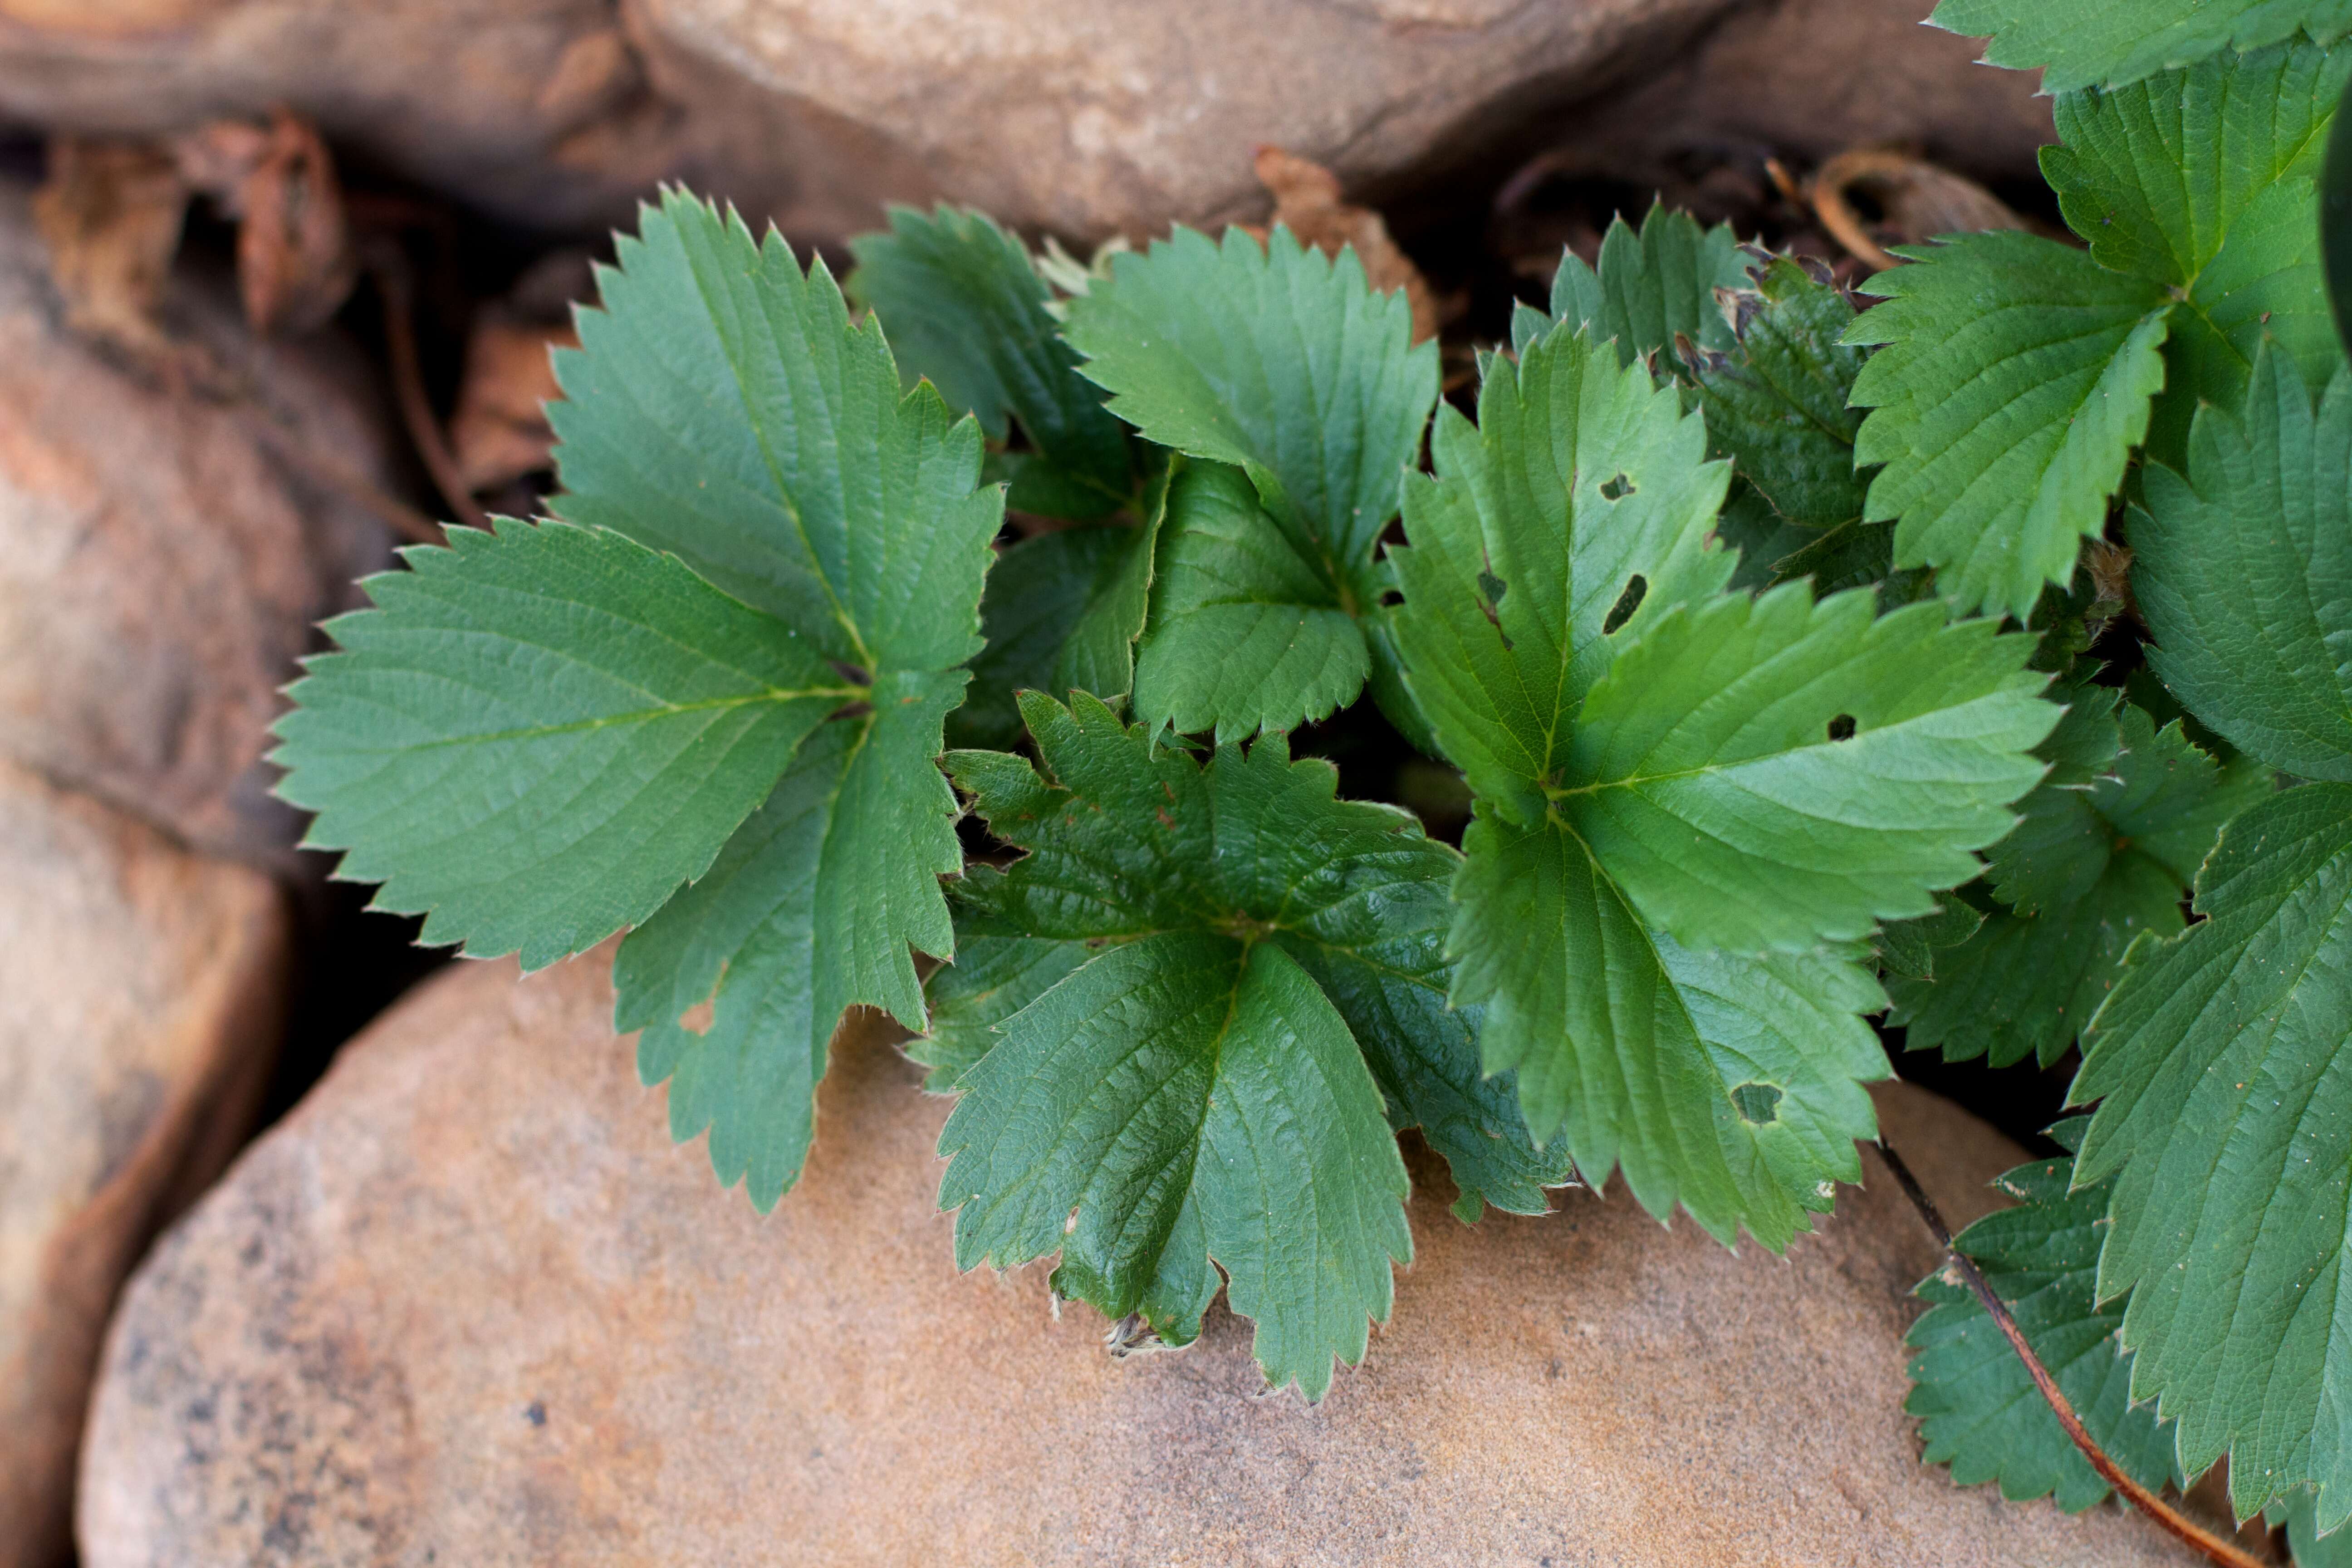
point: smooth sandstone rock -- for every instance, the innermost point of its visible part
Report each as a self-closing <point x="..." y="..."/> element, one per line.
<point x="139" y="1020"/>
<point x="165" y="552"/>
<point x="468" y="1305"/>
<point x="1084" y="117"/>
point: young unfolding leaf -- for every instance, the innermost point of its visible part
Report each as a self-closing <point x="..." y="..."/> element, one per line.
<point x="2244" y="571"/>
<point x="2225" y="1120"/>
<point x="2110" y="43"/>
<point x="1662" y="768"/>
<point x="1225" y="973"/>
<point x="725" y="415"/>
<point x="1653" y="286"/>
<point x="1282" y="363"/>
<point x="2091" y="866"/>
<point x="2013" y="381"/>
<point x="1977" y="1408"/>
<point x="963" y="304"/>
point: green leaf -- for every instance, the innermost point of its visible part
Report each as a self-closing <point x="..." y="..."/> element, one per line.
<point x="992" y="978"/>
<point x="2243" y="571"/>
<point x="539" y="732"/>
<point x="2299" y="1512"/>
<point x="1977" y="1408"/>
<point x="792" y="925"/>
<point x="1244" y="634"/>
<point x="1284" y="364"/>
<point x="2109" y="43"/>
<point x="2014" y="380"/>
<point x="1652" y="287"/>
<point x="722" y="407"/>
<point x="1907" y="949"/>
<point x="2089" y="867"/>
<point x="1776" y="402"/>
<point x="964" y="306"/>
<point x="2225" y="1122"/>
<point x="1729" y="1084"/>
<point x="1651" y="756"/>
<point x="1252" y="948"/>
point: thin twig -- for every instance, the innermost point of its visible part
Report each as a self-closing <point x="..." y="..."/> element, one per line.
<point x="2170" y="1519"/>
<point x="390" y="270"/>
<point x="1837" y="214"/>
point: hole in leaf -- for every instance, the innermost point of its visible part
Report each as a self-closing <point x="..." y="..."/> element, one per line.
<point x="1841" y="727"/>
<point x="857" y="674"/>
<point x="1627" y="602"/>
<point x="1758" y="1103"/>
<point x="1492" y="587"/>
<point x="1391" y="598"/>
<point x="1618" y="488"/>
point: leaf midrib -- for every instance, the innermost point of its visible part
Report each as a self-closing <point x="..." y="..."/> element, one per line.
<point x="640" y="716"/>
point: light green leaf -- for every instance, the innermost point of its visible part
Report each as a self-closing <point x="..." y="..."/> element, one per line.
<point x="2093" y="43"/>
<point x="963" y="304"/>
<point x="1258" y="950"/>
<point x="1776" y="772"/>
<point x="539" y="732"/>
<point x="2243" y="571"/>
<point x="1908" y="949"/>
<point x="1652" y="287"/>
<point x="1284" y="364"/>
<point x="2014" y="380"/>
<point x="1244" y="634"/>
<point x="800" y="918"/>
<point x="2226" y="1123"/>
<point x="722" y="407"/>
<point x="1977" y="1408"/>
<point x="1731" y="1084"/>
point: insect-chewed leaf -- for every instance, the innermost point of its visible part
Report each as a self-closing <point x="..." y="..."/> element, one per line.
<point x="539" y="732"/>
<point x="1642" y="747"/>
<point x="1977" y="1408"/>
<point x="1222" y="974"/>
<point x="1652" y="287"/>
<point x="2244" y="571"/>
<point x="1284" y="364"/>
<point x="1777" y="401"/>
<point x="2110" y="43"/>
<point x="2014" y="379"/>
<point x="2089" y="867"/>
<point x="963" y="305"/>
<point x="2224" y="1080"/>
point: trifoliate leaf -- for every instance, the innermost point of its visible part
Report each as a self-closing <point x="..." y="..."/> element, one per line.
<point x="723" y="408"/>
<point x="2243" y="571"/>
<point x="1244" y="633"/>
<point x="1642" y="747"/>
<point x="539" y="732"/>
<point x="1281" y="363"/>
<point x="2088" y="869"/>
<point x="2014" y="380"/>
<point x="1977" y="1408"/>
<point x="963" y="304"/>
<point x="1264" y="955"/>
<point x="2226" y="1123"/>
<point x="2094" y="42"/>
<point x="1652" y="287"/>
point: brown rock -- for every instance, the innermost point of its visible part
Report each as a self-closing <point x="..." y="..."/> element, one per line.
<point x="165" y="551"/>
<point x="466" y="1305"/>
<point x="141" y="1014"/>
<point x="1082" y="116"/>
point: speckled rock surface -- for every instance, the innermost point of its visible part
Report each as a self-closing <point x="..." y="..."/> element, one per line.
<point x="139" y="1015"/>
<point x="468" y="1305"/>
<point x="161" y="561"/>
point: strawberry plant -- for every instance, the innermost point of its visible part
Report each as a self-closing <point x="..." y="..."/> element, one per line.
<point x="1780" y="639"/>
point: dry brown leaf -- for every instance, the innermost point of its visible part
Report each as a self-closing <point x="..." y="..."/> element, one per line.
<point x="1919" y="200"/>
<point x="1306" y="199"/>
<point x="110" y="214"/>
<point x="295" y="261"/>
<point x="499" y="430"/>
